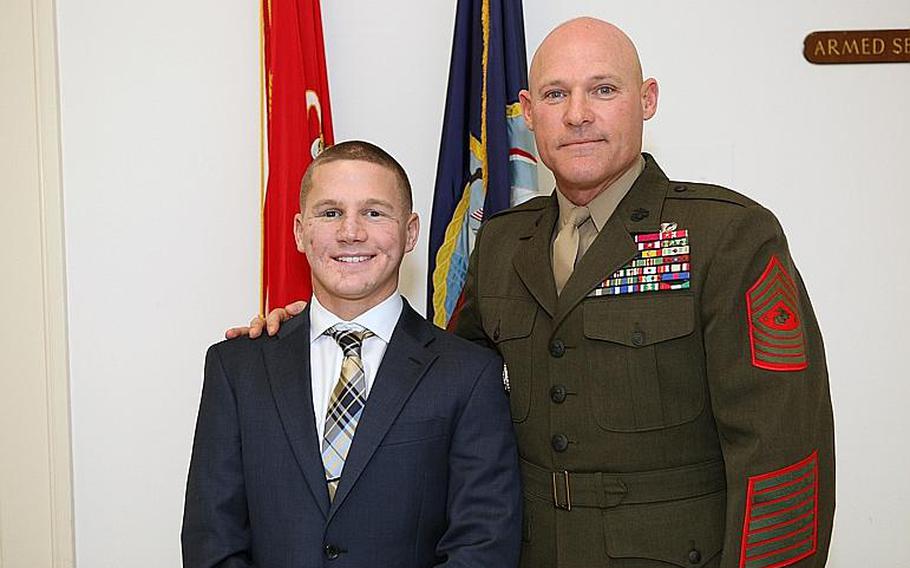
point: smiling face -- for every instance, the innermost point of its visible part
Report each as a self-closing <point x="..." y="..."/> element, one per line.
<point x="586" y="104"/>
<point x="355" y="228"/>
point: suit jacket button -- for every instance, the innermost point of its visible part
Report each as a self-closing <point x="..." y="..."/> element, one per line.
<point x="557" y="348"/>
<point x="558" y="394"/>
<point x="332" y="552"/>
<point x="679" y="188"/>
<point x="560" y="443"/>
<point x="638" y="338"/>
<point x="694" y="556"/>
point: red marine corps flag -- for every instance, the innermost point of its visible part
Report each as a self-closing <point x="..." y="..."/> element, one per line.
<point x="299" y="127"/>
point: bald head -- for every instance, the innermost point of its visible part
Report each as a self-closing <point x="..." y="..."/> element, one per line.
<point x="587" y="37"/>
<point x="586" y="104"/>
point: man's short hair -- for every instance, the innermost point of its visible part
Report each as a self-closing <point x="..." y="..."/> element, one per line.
<point x="360" y="151"/>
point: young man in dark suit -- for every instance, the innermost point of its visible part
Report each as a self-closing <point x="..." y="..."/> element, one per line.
<point x="361" y="435"/>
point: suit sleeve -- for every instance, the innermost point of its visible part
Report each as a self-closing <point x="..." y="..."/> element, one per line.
<point x="215" y="521"/>
<point x="484" y="482"/>
<point x="769" y="392"/>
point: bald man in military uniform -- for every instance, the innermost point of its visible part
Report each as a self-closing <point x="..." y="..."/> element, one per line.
<point x="666" y="372"/>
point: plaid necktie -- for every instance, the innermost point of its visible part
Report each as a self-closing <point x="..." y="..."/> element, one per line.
<point x="345" y="406"/>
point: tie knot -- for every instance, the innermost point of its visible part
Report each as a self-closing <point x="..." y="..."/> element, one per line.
<point x="578" y="215"/>
<point x="350" y="340"/>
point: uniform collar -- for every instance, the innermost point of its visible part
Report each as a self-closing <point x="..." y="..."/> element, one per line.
<point x="606" y="202"/>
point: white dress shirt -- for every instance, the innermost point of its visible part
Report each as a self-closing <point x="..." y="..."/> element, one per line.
<point x="326" y="356"/>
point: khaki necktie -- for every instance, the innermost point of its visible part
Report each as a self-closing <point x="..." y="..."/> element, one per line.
<point x="345" y="406"/>
<point x="565" y="248"/>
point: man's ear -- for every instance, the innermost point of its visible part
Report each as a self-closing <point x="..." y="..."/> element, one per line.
<point x="298" y="231"/>
<point x="649" y="92"/>
<point x="524" y="97"/>
<point x="413" y="231"/>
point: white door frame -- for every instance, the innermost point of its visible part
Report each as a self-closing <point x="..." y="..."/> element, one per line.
<point x="36" y="498"/>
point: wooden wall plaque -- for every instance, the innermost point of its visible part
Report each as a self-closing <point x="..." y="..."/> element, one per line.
<point x="858" y="46"/>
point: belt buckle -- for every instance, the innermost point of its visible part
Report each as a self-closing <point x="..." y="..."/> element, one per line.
<point x="566" y="504"/>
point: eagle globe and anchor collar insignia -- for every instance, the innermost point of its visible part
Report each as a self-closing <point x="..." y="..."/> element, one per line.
<point x="661" y="263"/>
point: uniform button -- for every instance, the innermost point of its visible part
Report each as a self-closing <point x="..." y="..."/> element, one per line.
<point x="558" y="394"/>
<point x="679" y="188"/>
<point x="560" y="443"/>
<point x="332" y="552"/>
<point x="694" y="556"/>
<point x="638" y="338"/>
<point x="557" y="348"/>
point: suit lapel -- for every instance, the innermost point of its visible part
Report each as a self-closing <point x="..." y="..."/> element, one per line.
<point x="288" y="364"/>
<point x="405" y="362"/>
<point x="532" y="259"/>
<point x="638" y="212"/>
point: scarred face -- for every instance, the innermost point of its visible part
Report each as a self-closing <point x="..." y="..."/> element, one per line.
<point x="355" y="229"/>
<point x="586" y="104"/>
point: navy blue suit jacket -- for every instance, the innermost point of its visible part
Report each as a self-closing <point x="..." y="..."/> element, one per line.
<point x="431" y="478"/>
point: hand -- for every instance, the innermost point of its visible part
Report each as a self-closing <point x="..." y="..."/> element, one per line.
<point x="271" y="323"/>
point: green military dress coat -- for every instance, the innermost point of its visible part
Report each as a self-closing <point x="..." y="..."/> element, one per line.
<point x="672" y="404"/>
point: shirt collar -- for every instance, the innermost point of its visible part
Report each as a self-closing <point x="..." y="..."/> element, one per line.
<point x="381" y="319"/>
<point x="605" y="203"/>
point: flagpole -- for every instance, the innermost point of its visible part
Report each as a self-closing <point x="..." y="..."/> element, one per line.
<point x="262" y="158"/>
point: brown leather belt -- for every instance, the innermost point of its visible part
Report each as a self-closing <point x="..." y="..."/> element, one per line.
<point x="567" y="489"/>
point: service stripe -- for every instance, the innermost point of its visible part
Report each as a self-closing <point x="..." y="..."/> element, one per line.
<point x="784" y="558"/>
<point x="779" y="503"/>
<point x="786" y="489"/>
<point x="781" y="517"/>
<point x="783" y="541"/>
<point x="786" y="528"/>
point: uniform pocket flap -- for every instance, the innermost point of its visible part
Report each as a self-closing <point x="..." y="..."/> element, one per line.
<point x="639" y="321"/>
<point x="686" y="533"/>
<point x="507" y="318"/>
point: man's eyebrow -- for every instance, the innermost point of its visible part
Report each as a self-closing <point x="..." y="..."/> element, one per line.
<point x="377" y="201"/>
<point x="326" y="202"/>
<point x="549" y="84"/>
<point x="609" y="77"/>
<point x="372" y="202"/>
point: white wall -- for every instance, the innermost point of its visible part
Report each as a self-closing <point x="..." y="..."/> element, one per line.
<point x="160" y="114"/>
<point x="160" y="160"/>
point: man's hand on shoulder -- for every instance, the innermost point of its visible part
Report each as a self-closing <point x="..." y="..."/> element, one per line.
<point x="270" y="323"/>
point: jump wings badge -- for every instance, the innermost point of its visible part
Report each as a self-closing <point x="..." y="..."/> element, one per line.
<point x="662" y="263"/>
<point x="775" y="328"/>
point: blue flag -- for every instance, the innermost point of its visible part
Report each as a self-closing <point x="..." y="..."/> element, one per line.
<point x="487" y="159"/>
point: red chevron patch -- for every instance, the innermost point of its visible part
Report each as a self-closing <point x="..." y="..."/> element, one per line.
<point x="775" y="328"/>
